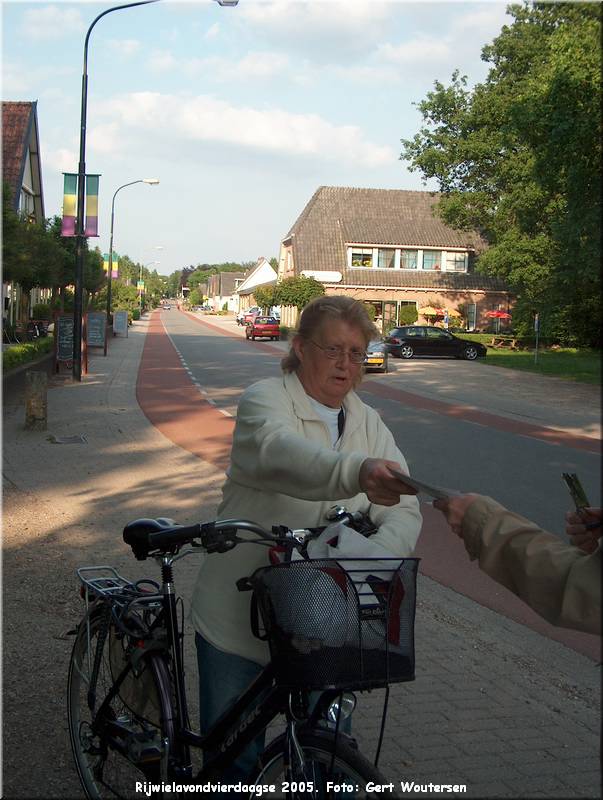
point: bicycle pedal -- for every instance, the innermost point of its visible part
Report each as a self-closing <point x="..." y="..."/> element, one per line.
<point x="145" y="748"/>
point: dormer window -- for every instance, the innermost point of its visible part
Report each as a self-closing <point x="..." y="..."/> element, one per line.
<point x="362" y="257"/>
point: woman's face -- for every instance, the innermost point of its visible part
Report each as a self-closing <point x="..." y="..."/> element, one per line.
<point x="328" y="380"/>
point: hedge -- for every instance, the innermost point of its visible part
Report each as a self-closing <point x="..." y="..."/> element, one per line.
<point x="18" y="354"/>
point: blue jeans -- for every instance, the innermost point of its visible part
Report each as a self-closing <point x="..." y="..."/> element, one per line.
<point x="223" y="677"/>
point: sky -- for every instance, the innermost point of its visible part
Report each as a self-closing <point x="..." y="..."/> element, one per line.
<point x="242" y="113"/>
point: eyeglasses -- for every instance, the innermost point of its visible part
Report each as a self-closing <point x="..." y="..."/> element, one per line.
<point x="337" y="353"/>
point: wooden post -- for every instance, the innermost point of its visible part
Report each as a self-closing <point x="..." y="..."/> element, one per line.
<point x="36" y="404"/>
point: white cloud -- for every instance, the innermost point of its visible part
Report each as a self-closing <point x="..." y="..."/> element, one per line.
<point x="205" y="118"/>
<point x="51" y="22"/>
<point x="416" y="51"/>
<point x="326" y="30"/>
<point x="15" y="79"/>
<point x="212" y="31"/>
<point x="125" y="47"/>
<point x="162" y="61"/>
<point x="252" y="66"/>
<point x="61" y="159"/>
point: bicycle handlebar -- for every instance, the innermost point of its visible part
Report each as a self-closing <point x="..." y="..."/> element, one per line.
<point x="150" y="536"/>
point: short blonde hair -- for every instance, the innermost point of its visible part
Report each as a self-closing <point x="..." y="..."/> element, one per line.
<point x="319" y="312"/>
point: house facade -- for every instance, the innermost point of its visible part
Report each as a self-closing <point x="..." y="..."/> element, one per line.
<point x="262" y="274"/>
<point x="388" y="248"/>
<point x="21" y="171"/>
<point x="221" y="290"/>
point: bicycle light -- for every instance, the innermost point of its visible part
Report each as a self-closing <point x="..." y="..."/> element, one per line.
<point x="348" y="704"/>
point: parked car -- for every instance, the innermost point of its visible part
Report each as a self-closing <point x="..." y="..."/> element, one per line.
<point x="266" y="327"/>
<point x="245" y="316"/>
<point x="376" y="356"/>
<point x="427" y="340"/>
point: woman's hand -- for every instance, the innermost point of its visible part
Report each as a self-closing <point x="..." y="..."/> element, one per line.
<point x="584" y="528"/>
<point x="379" y="483"/>
<point x="454" y="509"/>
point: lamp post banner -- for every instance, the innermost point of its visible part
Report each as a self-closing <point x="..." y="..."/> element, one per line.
<point x="69" y="204"/>
<point x="91" y="205"/>
<point x="115" y="264"/>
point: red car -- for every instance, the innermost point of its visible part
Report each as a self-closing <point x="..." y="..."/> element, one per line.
<point x="267" y="327"/>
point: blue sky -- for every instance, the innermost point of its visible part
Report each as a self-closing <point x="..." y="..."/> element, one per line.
<point x="240" y="112"/>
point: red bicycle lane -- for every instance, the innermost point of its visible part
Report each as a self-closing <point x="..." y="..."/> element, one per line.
<point x="175" y="406"/>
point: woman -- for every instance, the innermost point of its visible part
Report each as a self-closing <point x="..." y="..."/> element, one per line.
<point x="302" y="443"/>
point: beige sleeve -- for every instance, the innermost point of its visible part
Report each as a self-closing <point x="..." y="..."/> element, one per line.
<point x="557" y="580"/>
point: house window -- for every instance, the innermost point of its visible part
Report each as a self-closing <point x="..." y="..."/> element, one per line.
<point x="408" y="259"/>
<point x="432" y="259"/>
<point x="362" y="257"/>
<point x="471" y="315"/>
<point x="456" y="262"/>
<point x="386" y="258"/>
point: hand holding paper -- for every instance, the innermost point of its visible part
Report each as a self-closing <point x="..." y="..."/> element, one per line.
<point x="439" y="492"/>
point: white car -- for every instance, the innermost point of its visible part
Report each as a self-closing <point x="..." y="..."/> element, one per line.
<point x="246" y="312"/>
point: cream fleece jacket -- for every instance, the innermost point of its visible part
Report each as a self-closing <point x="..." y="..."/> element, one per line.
<point x="557" y="580"/>
<point x="285" y="471"/>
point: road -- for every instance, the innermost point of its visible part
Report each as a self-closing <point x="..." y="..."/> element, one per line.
<point x="459" y="424"/>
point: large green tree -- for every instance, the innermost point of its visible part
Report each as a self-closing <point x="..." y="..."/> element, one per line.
<point x="297" y="291"/>
<point x="518" y="157"/>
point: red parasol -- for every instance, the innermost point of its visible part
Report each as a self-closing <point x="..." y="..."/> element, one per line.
<point x="498" y="314"/>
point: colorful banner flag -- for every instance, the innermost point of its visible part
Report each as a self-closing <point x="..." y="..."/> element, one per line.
<point x="91" y="205"/>
<point x="115" y="264"/>
<point x="69" y="204"/>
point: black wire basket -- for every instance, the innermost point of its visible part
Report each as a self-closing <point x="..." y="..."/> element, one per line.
<point x="341" y="624"/>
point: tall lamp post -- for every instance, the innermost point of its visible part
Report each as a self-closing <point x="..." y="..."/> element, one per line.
<point x="140" y="283"/>
<point x="81" y="178"/>
<point x="151" y="182"/>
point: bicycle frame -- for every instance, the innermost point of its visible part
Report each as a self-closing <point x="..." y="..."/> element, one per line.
<point x="247" y="718"/>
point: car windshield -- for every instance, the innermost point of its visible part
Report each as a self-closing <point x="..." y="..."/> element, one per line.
<point x="265" y="321"/>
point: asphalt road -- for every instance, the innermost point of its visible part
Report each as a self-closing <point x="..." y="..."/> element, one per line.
<point x="522" y="472"/>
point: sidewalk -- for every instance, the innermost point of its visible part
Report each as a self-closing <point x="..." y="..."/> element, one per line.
<point x="494" y="706"/>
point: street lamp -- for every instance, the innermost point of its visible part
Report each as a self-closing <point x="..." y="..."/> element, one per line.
<point x="140" y="283"/>
<point x="151" y="182"/>
<point x="81" y="178"/>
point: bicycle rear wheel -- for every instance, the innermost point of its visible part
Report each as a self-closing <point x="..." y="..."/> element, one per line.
<point x="310" y="780"/>
<point x="134" y="736"/>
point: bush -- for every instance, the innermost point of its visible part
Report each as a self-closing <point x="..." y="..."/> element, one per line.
<point x="408" y="315"/>
<point x="41" y="311"/>
<point x="135" y="313"/>
<point x="284" y="331"/>
<point x="24" y="353"/>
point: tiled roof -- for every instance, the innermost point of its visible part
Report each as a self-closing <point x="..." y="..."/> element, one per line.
<point x="17" y="122"/>
<point x="423" y="279"/>
<point x="336" y="216"/>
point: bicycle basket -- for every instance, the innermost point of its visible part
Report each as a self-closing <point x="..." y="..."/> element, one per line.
<point x="339" y="624"/>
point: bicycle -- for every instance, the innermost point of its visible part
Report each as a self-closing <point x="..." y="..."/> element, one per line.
<point x="127" y="706"/>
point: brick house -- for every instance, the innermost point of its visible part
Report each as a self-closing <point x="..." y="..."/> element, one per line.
<point x="388" y="248"/>
<point x="21" y="172"/>
<point x="262" y="275"/>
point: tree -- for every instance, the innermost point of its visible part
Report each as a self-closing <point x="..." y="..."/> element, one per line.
<point x="266" y="297"/>
<point x="519" y="159"/>
<point x="297" y="291"/>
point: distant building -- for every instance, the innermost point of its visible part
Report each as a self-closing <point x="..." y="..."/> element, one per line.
<point x="388" y="248"/>
<point x="263" y="274"/>
<point x="22" y="173"/>
<point x="221" y="290"/>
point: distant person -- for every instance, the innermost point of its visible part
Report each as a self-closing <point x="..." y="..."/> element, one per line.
<point x="302" y="442"/>
<point x="561" y="582"/>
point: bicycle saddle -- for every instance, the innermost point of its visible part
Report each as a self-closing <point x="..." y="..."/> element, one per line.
<point x="136" y="533"/>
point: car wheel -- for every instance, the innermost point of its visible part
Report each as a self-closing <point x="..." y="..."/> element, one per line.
<point x="470" y="353"/>
<point x="406" y="351"/>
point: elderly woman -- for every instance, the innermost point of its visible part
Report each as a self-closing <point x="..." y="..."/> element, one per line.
<point x="302" y="442"/>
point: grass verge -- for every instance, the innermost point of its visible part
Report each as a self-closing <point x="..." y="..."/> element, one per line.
<point x="18" y="354"/>
<point x="569" y="363"/>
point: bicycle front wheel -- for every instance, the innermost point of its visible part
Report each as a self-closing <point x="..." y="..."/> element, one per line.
<point x="129" y="741"/>
<point x="348" y="774"/>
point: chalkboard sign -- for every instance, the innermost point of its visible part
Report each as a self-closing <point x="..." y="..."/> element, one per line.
<point x="120" y="322"/>
<point x="63" y="326"/>
<point x="96" y="329"/>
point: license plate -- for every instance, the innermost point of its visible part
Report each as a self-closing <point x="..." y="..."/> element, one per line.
<point x="374" y="361"/>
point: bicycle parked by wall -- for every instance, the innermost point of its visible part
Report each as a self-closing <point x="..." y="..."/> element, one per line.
<point x="332" y="626"/>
